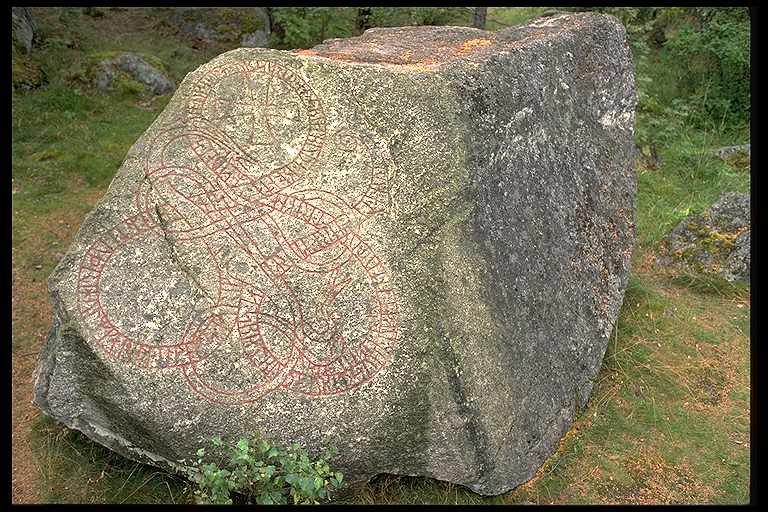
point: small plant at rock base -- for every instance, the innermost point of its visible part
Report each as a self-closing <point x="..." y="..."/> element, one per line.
<point x="262" y="472"/>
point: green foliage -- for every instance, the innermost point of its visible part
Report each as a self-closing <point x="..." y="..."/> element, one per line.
<point x="400" y="16"/>
<point x="264" y="473"/>
<point x="712" y="49"/>
<point x="304" y="27"/>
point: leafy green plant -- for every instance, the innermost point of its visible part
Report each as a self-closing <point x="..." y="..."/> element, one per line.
<point x="260" y="471"/>
<point x="303" y="27"/>
<point x="713" y="46"/>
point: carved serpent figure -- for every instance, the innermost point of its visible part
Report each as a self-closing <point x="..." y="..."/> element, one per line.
<point x="295" y="298"/>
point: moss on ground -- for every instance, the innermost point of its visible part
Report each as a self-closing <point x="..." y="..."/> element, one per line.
<point x="25" y="72"/>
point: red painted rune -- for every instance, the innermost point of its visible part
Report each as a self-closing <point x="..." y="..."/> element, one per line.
<point x="291" y="295"/>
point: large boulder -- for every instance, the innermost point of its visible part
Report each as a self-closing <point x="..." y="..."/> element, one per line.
<point x="412" y="244"/>
<point x="715" y="241"/>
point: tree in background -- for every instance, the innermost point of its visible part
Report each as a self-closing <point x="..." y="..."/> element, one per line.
<point x="481" y="14"/>
<point x="275" y="28"/>
<point x="363" y="21"/>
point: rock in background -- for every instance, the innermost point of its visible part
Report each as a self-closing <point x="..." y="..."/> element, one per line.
<point x="246" y="27"/>
<point x="738" y="156"/>
<point x="717" y="241"/>
<point x="130" y="71"/>
<point x="23" y="27"/>
<point x="413" y="244"/>
<point x="25" y="74"/>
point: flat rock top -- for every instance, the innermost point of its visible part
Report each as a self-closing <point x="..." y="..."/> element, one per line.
<point x="426" y="47"/>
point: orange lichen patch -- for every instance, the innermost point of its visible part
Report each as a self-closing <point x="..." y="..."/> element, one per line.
<point x="426" y="65"/>
<point x="470" y="46"/>
<point x="406" y="55"/>
<point x="305" y="52"/>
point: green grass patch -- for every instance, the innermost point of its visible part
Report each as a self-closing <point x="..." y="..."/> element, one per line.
<point x="393" y="489"/>
<point x="688" y="180"/>
<point x="74" y="469"/>
<point x="500" y="18"/>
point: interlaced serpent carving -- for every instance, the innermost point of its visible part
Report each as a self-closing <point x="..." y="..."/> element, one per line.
<point x="294" y="297"/>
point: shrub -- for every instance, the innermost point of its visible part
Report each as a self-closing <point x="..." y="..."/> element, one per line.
<point x="713" y="48"/>
<point x="262" y="472"/>
<point x="303" y="27"/>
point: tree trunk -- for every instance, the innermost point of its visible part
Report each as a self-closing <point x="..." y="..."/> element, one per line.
<point x="363" y="19"/>
<point x="480" y="15"/>
<point x="275" y="28"/>
<point x="324" y="24"/>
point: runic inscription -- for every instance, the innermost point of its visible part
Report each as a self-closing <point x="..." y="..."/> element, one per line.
<point x="292" y="295"/>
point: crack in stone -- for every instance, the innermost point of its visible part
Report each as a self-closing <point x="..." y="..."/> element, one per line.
<point x="163" y="225"/>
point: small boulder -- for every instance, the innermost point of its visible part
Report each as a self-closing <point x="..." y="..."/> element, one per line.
<point x="24" y="28"/>
<point x="737" y="156"/>
<point x="133" y="72"/>
<point x="25" y="72"/>
<point x="248" y="27"/>
<point x="726" y="152"/>
<point x="717" y="241"/>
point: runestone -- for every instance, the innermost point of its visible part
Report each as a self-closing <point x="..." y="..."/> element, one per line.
<point x="411" y="245"/>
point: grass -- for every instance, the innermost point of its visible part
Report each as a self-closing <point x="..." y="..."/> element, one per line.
<point x="687" y="180"/>
<point x="668" y="419"/>
<point x="72" y="460"/>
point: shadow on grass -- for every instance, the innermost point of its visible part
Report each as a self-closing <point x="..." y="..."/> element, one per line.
<point x="398" y="489"/>
<point x="74" y="469"/>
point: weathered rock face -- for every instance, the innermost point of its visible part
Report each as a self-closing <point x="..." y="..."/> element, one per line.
<point x="414" y="244"/>
<point x="717" y="241"/>
<point x="133" y="67"/>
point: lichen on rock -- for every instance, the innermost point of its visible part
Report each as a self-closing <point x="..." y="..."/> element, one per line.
<point x="129" y="72"/>
<point x="716" y="241"/>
